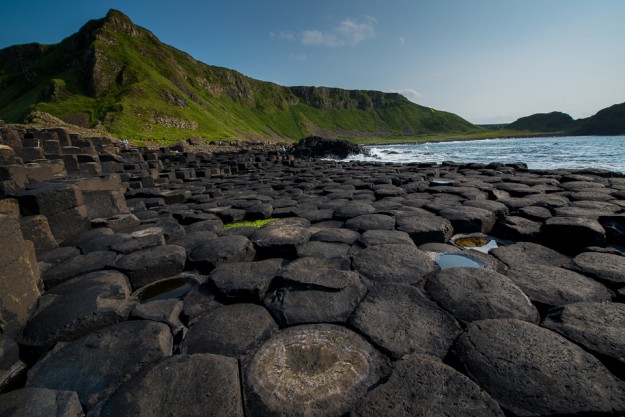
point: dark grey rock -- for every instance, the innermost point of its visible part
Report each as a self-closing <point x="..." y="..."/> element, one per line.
<point x="216" y="226"/>
<point x="40" y="402"/>
<point x="199" y="301"/>
<point x="597" y="327"/>
<point x="192" y="240"/>
<point x="99" y="363"/>
<point x="164" y="311"/>
<point x="224" y="249"/>
<point x="320" y="295"/>
<point x="324" y="250"/>
<point x="554" y="286"/>
<point x="259" y="211"/>
<point x="78" y="265"/>
<point x="422" y="385"/>
<point x="102" y="243"/>
<point x="476" y="294"/>
<point x="353" y="209"/>
<point x="518" y="228"/>
<point x="336" y="235"/>
<point x="184" y="385"/>
<point x="169" y="228"/>
<point x="118" y="223"/>
<point x="135" y="244"/>
<point x="400" y="320"/>
<point x="615" y="228"/>
<point x="280" y="240"/>
<point x="393" y="263"/>
<point x="527" y="253"/>
<point x="149" y="265"/>
<point x="498" y="209"/>
<point x="532" y="371"/>
<point x="469" y="219"/>
<point x="572" y="234"/>
<point x="380" y="237"/>
<point x="371" y="222"/>
<point x="606" y="267"/>
<point x="425" y="228"/>
<point x="245" y="281"/>
<point x="231" y="330"/>
<point x="313" y="370"/>
<point x="78" y="307"/>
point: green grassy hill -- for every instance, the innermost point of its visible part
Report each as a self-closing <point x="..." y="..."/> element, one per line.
<point x="609" y="121"/>
<point x="118" y="76"/>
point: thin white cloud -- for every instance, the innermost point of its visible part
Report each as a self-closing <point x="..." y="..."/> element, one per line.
<point x="349" y="32"/>
<point x="402" y="40"/>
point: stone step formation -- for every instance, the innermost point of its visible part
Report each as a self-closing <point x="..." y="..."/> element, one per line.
<point x="121" y="292"/>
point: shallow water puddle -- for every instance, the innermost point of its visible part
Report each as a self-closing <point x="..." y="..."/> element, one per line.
<point x="165" y="290"/>
<point x="479" y="243"/>
<point x="454" y="260"/>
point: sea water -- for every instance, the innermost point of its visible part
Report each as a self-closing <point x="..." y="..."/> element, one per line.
<point x="567" y="152"/>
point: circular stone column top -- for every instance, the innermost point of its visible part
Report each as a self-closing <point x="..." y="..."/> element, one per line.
<point x="314" y="370"/>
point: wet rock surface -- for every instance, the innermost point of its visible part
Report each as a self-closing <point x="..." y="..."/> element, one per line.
<point x="132" y="271"/>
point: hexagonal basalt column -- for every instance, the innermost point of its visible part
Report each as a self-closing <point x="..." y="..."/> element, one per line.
<point x="316" y="370"/>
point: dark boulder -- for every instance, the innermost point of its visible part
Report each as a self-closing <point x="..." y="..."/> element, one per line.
<point x="572" y="234"/>
<point x="231" y="330"/>
<point x="605" y="267"/>
<point x="212" y="253"/>
<point x="78" y="307"/>
<point x="318" y="147"/>
<point x="148" y="265"/>
<point x="321" y="295"/>
<point x="393" y="263"/>
<point x="425" y="228"/>
<point x="551" y="286"/>
<point x="422" y="385"/>
<point x="527" y="253"/>
<point x="400" y="320"/>
<point x="182" y="385"/>
<point x="532" y="371"/>
<point x="475" y="294"/>
<point x="597" y="327"/>
<point x="245" y="281"/>
<point x="99" y="363"/>
<point x="40" y="402"/>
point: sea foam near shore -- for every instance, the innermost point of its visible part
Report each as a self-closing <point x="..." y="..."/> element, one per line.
<point x="567" y="152"/>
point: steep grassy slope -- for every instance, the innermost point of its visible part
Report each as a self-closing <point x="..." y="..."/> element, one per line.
<point x="119" y="76"/>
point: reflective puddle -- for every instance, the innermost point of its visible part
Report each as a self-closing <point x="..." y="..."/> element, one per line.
<point x="455" y="260"/>
<point x="479" y="243"/>
<point x="165" y="290"/>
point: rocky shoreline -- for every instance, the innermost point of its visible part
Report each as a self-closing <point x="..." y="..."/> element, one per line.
<point x="122" y="293"/>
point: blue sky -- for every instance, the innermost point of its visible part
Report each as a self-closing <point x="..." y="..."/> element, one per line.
<point x="488" y="61"/>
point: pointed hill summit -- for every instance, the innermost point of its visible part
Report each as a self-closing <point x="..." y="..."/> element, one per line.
<point x="115" y="75"/>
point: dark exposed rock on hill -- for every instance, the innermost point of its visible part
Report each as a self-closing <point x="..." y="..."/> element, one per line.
<point x="119" y="76"/>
